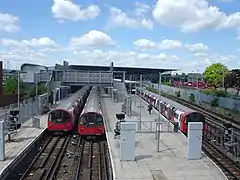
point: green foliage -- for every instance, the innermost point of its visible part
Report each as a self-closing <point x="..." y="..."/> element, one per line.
<point x="214" y="74"/>
<point x="215" y="92"/>
<point x="41" y="90"/>
<point x="192" y="98"/>
<point x="214" y="102"/>
<point x="11" y="85"/>
<point x="167" y="83"/>
<point x="177" y="94"/>
<point x="152" y="90"/>
<point x="233" y="80"/>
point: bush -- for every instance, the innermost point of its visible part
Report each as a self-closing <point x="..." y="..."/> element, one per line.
<point x="177" y="93"/>
<point x="215" y="92"/>
<point x="192" y="98"/>
<point x="41" y="90"/>
<point x="214" y="102"/>
<point x="167" y="83"/>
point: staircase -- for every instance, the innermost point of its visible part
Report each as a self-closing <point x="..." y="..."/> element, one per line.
<point x="121" y="90"/>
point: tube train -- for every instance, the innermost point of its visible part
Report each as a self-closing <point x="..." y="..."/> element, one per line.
<point x="173" y="111"/>
<point x="64" y="117"/>
<point x="91" y="119"/>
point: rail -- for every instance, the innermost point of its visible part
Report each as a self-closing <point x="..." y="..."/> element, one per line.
<point x="92" y="162"/>
<point x="231" y="171"/>
<point x="45" y="164"/>
<point x="210" y="115"/>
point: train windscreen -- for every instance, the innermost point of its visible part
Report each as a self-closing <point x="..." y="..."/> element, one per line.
<point x="195" y="117"/>
<point x="59" y="116"/>
<point x="91" y="119"/>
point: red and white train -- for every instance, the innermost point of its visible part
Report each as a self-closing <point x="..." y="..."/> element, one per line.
<point x="173" y="111"/>
<point x="91" y="119"/>
<point x="64" y="117"/>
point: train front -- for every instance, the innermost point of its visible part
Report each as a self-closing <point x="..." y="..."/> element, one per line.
<point x="91" y="124"/>
<point x="91" y="120"/>
<point x="60" y="120"/>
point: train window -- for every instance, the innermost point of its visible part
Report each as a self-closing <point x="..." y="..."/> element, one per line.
<point x="99" y="119"/>
<point x="83" y="120"/>
<point x="91" y="119"/>
<point x="59" y="116"/>
<point x="195" y="117"/>
<point x="175" y="115"/>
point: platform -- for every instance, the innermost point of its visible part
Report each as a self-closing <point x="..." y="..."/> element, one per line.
<point x="22" y="140"/>
<point x="170" y="163"/>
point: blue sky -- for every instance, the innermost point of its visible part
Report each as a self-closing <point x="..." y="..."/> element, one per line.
<point x="184" y="34"/>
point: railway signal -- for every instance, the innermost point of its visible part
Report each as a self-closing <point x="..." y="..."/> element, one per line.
<point x="13" y="122"/>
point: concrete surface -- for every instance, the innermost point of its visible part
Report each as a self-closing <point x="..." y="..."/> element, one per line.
<point x="169" y="164"/>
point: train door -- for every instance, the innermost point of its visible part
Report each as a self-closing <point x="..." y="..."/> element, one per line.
<point x="156" y="105"/>
<point x="166" y="112"/>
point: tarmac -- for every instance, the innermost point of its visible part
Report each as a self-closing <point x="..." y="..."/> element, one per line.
<point x="170" y="163"/>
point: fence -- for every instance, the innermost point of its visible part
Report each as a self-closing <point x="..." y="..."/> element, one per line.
<point x="200" y="97"/>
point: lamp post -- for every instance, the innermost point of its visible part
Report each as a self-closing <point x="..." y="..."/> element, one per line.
<point x="159" y="117"/>
<point x="140" y="113"/>
<point x="37" y="76"/>
<point x="19" y="73"/>
<point x="158" y="125"/>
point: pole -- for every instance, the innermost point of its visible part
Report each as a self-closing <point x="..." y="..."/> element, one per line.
<point x="223" y="79"/>
<point x="158" y="125"/>
<point x="2" y="141"/>
<point x="135" y="92"/>
<point x="18" y="89"/>
<point x="140" y="115"/>
<point x="36" y="94"/>
<point x="112" y="95"/>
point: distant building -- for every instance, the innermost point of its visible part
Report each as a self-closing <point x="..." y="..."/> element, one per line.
<point x="9" y="73"/>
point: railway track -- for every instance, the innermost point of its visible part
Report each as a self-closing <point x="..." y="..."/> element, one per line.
<point x="210" y="115"/>
<point x="92" y="163"/>
<point x="45" y="165"/>
<point x="231" y="171"/>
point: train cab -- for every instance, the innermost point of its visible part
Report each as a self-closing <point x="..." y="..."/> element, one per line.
<point x="60" y="120"/>
<point x="91" y="123"/>
<point x="191" y="117"/>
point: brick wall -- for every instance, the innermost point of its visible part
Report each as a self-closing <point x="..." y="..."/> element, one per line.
<point x="7" y="99"/>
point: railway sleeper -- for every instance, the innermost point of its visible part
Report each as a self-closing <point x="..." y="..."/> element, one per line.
<point x="38" y="175"/>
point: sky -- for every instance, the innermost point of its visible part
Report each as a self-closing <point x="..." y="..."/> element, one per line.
<point x="188" y="35"/>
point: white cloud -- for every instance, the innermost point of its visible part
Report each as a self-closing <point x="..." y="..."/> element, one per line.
<point x="141" y="9"/>
<point x="93" y="38"/>
<point x="16" y="57"/>
<point x="120" y="18"/>
<point x="128" y="58"/>
<point x="43" y="42"/>
<point x="8" y="23"/>
<point x="193" y="15"/>
<point x="196" y="48"/>
<point x="145" y="44"/>
<point x="67" y="10"/>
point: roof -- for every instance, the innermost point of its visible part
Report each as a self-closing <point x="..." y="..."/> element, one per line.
<point x="117" y="68"/>
<point x="28" y="64"/>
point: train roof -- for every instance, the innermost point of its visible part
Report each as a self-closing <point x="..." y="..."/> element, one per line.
<point x="71" y="100"/>
<point x="171" y="102"/>
<point x="92" y="104"/>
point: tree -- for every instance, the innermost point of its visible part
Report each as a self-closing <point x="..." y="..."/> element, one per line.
<point x="215" y="74"/>
<point x="11" y="85"/>
<point x="233" y="80"/>
<point x="41" y="90"/>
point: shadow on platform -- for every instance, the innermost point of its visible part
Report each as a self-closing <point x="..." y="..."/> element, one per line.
<point x="141" y="157"/>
